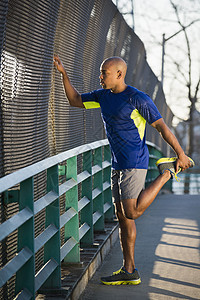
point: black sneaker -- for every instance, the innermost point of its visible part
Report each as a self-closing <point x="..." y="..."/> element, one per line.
<point x="122" y="277"/>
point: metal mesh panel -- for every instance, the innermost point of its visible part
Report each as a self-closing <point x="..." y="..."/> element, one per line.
<point x="26" y="62"/>
<point x="35" y="117"/>
<point x="69" y="44"/>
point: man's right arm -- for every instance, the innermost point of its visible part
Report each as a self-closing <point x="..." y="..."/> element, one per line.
<point x="72" y="94"/>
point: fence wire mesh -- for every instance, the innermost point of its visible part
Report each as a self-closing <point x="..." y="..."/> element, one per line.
<point x="36" y="121"/>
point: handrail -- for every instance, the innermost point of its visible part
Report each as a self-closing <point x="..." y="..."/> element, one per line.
<point x="18" y="176"/>
<point x="94" y="207"/>
<point x="82" y="217"/>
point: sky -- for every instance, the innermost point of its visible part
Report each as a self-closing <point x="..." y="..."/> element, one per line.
<point x="152" y="19"/>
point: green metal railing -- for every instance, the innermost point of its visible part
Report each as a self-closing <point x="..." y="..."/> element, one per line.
<point x="154" y="154"/>
<point x="83" y="214"/>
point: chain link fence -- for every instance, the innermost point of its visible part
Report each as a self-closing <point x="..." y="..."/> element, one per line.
<point x="36" y="120"/>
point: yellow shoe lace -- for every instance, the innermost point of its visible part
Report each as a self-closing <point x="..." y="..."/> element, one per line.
<point x="175" y="174"/>
<point x="176" y="177"/>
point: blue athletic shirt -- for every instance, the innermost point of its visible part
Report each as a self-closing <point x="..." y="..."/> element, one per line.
<point x="124" y="115"/>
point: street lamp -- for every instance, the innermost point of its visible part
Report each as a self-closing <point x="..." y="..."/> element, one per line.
<point x="164" y="40"/>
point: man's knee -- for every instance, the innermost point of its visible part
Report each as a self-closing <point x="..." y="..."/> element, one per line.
<point x="132" y="214"/>
<point x="130" y="209"/>
<point x="127" y="209"/>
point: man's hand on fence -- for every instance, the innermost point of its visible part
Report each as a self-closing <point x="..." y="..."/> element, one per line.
<point x="58" y="64"/>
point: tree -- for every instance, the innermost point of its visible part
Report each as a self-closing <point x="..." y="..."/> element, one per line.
<point x="192" y="86"/>
<point x="182" y="64"/>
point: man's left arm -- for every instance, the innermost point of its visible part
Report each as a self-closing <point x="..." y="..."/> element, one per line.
<point x="183" y="161"/>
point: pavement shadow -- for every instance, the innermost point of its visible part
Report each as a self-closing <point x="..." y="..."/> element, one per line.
<point x="167" y="254"/>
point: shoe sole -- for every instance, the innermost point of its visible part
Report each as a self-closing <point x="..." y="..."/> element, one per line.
<point x="128" y="282"/>
<point x="171" y="160"/>
<point x="165" y="160"/>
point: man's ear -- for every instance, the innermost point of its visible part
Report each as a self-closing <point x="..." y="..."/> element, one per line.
<point x="119" y="74"/>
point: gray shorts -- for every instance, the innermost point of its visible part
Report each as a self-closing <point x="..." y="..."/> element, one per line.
<point x="127" y="183"/>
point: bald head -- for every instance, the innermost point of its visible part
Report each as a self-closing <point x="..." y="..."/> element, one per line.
<point x="116" y="62"/>
<point x="112" y="74"/>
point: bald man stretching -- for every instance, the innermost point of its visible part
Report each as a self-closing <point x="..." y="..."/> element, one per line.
<point x="125" y="111"/>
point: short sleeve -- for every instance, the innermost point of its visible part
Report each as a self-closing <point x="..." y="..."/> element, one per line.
<point x="90" y="100"/>
<point x="147" y="108"/>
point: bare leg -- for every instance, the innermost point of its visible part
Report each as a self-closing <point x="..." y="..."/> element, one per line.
<point x="127" y="238"/>
<point x="133" y="208"/>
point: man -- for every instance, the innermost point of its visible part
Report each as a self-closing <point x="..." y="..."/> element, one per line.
<point x="125" y="111"/>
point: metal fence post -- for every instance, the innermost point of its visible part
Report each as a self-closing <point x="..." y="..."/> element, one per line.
<point x="98" y="201"/>
<point x="72" y="227"/>
<point x="25" y="277"/>
<point x="107" y="178"/>
<point x="87" y="211"/>
<point x="52" y="247"/>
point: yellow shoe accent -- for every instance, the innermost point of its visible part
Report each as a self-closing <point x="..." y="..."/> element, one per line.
<point x="164" y="164"/>
<point x="117" y="272"/>
<point x="166" y="160"/>
<point x="121" y="277"/>
<point x="172" y="159"/>
<point x="127" y="282"/>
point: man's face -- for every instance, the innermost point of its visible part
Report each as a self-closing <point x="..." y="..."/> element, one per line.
<point x="108" y="76"/>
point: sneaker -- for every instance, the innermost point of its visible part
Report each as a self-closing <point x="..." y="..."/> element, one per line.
<point x="122" y="277"/>
<point x="169" y="164"/>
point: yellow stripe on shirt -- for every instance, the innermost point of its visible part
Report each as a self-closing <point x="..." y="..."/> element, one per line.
<point x="91" y="104"/>
<point x="139" y="121"/>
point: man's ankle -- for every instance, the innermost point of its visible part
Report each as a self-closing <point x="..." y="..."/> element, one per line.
<point x="129" y="269"/>
<point x="166" y="174"/>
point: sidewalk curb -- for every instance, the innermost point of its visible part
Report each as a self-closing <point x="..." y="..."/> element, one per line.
<point x="94" y="263"/>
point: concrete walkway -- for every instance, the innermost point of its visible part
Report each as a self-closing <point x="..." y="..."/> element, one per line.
<point x="167" y="254"/>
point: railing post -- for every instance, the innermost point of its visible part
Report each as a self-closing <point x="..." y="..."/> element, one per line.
<point x="107" y="194"/>
<point x="98" y="202"/>
<point x="25" y="277"/>
<point x="154" y="155"/>
<point x="87" y="211"/>
<point x="52" y="247"/>
<point x="72" y="227"/>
